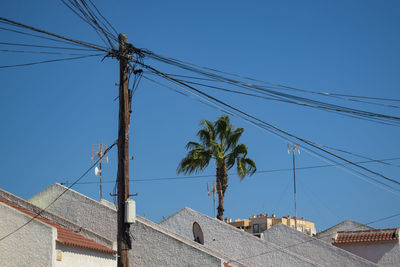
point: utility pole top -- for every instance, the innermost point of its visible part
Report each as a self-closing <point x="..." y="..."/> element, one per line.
<point x="122" y="37"/>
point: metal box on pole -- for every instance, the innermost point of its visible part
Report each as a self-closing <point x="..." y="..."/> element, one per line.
<point x="130" y="211"/>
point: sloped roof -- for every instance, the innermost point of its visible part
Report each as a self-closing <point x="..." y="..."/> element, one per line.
<point x="234" y="243"/>
<point x="189" y="242"/>
<point x="367" y="236"/>
<point x="346" y="225"/>
<point x="81" y="210"/>
<point x="154" y="243"/>
<point x="315" y="249"/>
<point x="64" y="236"/>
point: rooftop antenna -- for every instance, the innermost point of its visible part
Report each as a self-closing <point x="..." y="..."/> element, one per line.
<point x="97" y="170"/>
<point x="213" y="194"/>
<point x="292" y="149"/>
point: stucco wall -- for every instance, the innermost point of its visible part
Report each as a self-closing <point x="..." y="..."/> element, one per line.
<point x="312" y="248"/>
<point x="79" y="209"/>
<point x="384" y="254"/>
<point x="154" y="248"/>
<point x="32" y="245"/>
<point x="72" y="256"/>
<point x="234" y="243"/>
<point x="96" y="217"/>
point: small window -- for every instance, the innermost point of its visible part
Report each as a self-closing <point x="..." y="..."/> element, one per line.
<point x="255" y="228"/>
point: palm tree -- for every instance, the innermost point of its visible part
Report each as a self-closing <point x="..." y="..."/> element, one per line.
<point x="218" y="141"/>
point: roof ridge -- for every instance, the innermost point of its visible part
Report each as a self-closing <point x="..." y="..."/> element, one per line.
<point x="370" y="230"/>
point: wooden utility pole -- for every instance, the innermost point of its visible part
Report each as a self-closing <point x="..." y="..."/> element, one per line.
<point x="123" y="239"/>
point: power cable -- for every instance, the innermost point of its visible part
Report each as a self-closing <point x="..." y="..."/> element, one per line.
<point x="46" y="46"/>
<point x="258" y="121"/>
<point x="38" y="36"/>
<point x="40" y="52"/>
<point x="353" y="172"/>
<point x="281" y="99"/>
<point x="55" y="35"/>
<point x="383" y="219"/>
<point x="48" y="61"/>
<point x="94" y="18"/>
<point x="58" y="197"/>
<point x="273" y="85"/>
<point x="86" y="14"/>
<point x="234" y="174"/>
<point x="320" y="105"/>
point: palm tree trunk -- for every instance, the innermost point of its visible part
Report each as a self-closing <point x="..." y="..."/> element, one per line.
<point x="222" y="185"/>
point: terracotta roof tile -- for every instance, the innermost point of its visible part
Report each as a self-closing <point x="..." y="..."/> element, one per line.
<point x="64" y="235"/>
<point x="373" y="235"/>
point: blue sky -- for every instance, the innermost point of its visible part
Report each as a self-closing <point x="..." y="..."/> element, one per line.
<point x="52" y="113"/>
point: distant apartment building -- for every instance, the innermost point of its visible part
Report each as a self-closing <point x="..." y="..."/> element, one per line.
<point x="257" y="224"/>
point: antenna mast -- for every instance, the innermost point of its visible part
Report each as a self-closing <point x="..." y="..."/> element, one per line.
<point x="213" y="195"/>
<point x="293" y="149"/>
<point x="98" y="171"/>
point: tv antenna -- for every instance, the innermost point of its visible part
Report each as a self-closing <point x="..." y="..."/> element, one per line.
<point x="213" y="194"/>
<point x="198" y="233"/>
<point x="292" y="150"/>
<point x="97" y="170"/>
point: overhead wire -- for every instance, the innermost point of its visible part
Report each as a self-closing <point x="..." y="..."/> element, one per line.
<point x="84" y="11"/>
<point x="276" y="98"/>
<point x="273" y="85"/>
<point x="46" y="46"/>
<point x="85" y="20"/>
<point x="266" y="124"/>
<point x="317" y="104"/>
<point x="41" y="52"/>
<point x="104" y="18"/>
<point x="54" y="35"/>
<point x="48" y="61"/>
<point x="42" y="37"/>
<point x="39" y="36"/>
<point x="341" y="150"/>
<point x="346" y="168"/>
<point x="281" y="99"/>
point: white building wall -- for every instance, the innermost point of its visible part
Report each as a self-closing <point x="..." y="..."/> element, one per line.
<point x="32" y="245"/>
<point x="76" y="256"/>
<point x="151" y="246"/>
<point x="384" y="254"/>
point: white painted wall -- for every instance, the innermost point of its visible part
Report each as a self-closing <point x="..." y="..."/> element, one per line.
<point x="76" y="256"/>
<point x="151" y="247"/>
<point x="32" y="245"/>
<point x="384" y="254"/>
